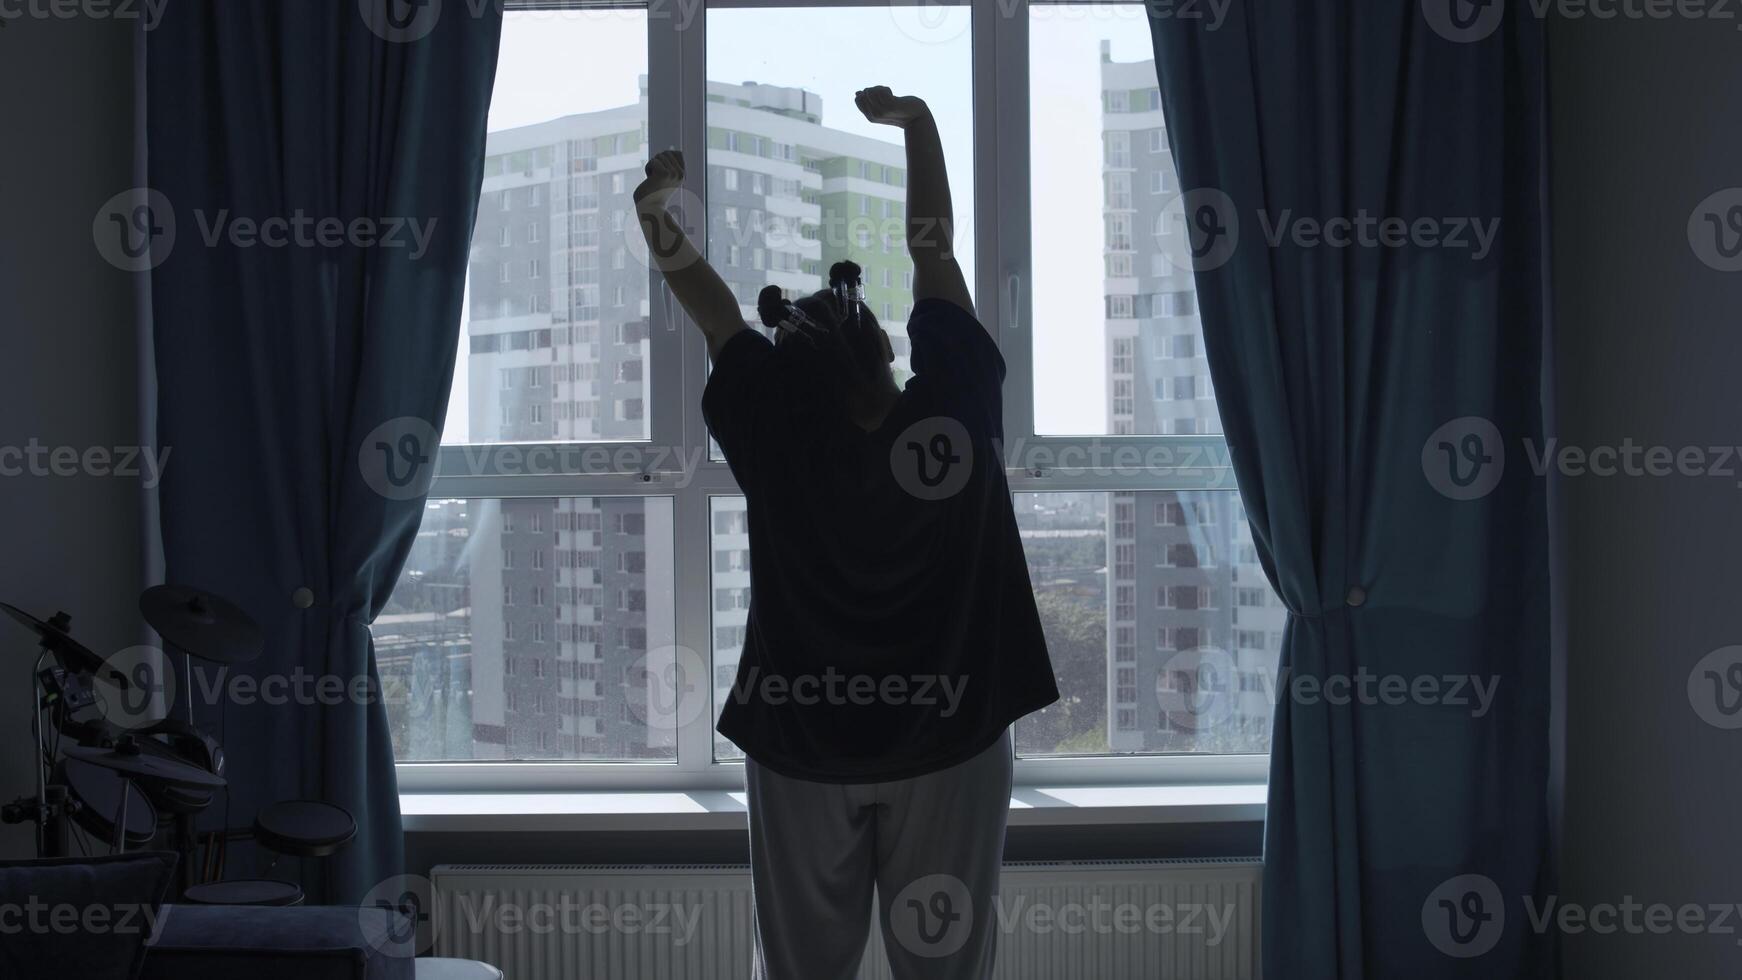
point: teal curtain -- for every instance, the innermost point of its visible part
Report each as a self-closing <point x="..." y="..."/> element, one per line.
<point x="321" y="162"/>
<point x="1378" y="399"/>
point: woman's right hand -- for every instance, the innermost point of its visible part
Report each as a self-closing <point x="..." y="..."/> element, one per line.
<point x="664" y="175"/>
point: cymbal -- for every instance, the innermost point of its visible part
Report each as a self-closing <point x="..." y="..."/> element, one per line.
<point x="126" y="758"/>
<point x="202" y="624"/>
<point x="53" y="635"/>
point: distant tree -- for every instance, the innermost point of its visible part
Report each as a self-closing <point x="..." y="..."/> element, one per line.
<point x="1076" y="638"/>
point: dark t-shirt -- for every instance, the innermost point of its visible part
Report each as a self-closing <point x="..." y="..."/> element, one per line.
<point x="892" y="628"/>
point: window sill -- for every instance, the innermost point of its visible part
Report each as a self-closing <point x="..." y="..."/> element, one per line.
<point x="1030" y="806"/>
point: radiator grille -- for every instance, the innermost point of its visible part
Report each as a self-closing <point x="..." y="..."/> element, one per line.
<point x="1103" y="920"/>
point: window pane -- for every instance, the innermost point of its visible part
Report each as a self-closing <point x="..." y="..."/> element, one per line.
<point x="731" y="602"/>
<point x="1163" y="630"/>
<point x="555" y="345"/>
<point x="525" y="629"/>
<point x="798" y="179"/>
<point x="1108" y="235"/>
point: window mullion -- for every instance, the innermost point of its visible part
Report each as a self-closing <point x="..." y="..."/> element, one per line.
<point x="1001" y="102"/>
<point x="681" y="50"/>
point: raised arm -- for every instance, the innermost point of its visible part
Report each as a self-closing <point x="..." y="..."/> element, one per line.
<point x="930" y="217"/>
<point x="698" y="288"/>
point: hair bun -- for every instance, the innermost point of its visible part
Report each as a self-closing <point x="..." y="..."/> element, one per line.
<point x="771" y="306"/>
<point x="846" y="271"/>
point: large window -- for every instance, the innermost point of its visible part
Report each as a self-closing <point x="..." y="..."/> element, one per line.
<point x="576" y="601"/>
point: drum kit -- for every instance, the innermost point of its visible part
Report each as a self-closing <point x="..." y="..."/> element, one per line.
<point x="122" y="776"/>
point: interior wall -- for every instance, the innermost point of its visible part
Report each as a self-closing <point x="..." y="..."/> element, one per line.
<point x="1645" y="126"/>
<point x="68" y="355"/>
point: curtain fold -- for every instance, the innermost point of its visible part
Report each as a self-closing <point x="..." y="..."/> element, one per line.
<point x="1380" y="394"/>
<point x="319" y="166"/>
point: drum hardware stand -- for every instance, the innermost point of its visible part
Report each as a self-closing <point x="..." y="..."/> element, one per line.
<point x="125" y="745"/>
<point x="50" y="813"/>
<point x="51" y="808"/>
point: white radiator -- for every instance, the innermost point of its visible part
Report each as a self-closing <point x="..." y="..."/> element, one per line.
<point x="1099" y="920"/>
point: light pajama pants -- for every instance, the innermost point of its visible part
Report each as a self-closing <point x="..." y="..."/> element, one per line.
<point x="931" y="846"/>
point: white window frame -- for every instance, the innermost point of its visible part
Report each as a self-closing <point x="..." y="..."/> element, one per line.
<point x="676" y="361"/>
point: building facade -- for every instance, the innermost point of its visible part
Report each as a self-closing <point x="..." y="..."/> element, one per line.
<point x="1193" y="627"/>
